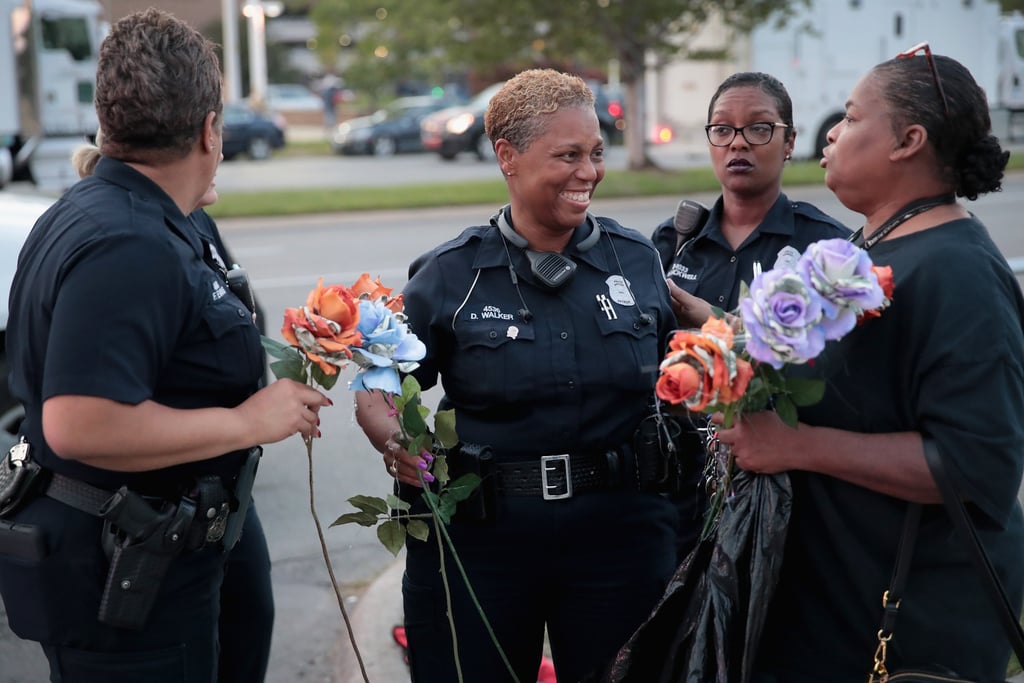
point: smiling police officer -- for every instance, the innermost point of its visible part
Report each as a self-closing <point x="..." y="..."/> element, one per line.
<point x="139" y="367"/>
<point x="545" y="326"/>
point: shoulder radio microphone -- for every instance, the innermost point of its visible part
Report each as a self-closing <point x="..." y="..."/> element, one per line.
<point x="689" y="219"/>
<point x="551" y="268"/>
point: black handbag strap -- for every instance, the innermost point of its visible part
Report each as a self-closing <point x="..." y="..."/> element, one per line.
<point x="958" y="512"/>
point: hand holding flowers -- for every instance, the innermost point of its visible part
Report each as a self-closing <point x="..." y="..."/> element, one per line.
<point x="364" y="325"/>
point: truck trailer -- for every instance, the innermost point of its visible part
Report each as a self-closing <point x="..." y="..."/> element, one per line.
<point x="48" y="55"/>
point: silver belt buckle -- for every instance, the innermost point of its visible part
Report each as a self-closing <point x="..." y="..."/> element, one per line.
<point x="552" y="463"/>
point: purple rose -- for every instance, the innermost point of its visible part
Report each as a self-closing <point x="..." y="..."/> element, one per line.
<point x="841" y="274"/>
<point x="782" y="316"/>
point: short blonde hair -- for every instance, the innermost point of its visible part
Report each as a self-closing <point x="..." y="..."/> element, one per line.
<point x="519" y="112"/>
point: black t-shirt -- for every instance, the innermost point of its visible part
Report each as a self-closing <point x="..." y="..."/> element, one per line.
<point x="946" y="360"/>
<point x="113" y="298"/>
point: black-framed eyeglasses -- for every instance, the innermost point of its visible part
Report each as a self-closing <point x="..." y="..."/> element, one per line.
<point x="759" y="133"/>
<point x="931" y="66"/>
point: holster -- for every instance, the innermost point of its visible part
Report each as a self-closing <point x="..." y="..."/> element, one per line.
<point x="146" y="541"/>
<point x="20" y="477"/>
<point x="465" y="458"/>
<point x="482" y="504"/>
<point x="242" y="498"/>
<point x="664" y="457"/>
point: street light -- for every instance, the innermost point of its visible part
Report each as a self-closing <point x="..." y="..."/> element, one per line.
<point x="257" y="12"/>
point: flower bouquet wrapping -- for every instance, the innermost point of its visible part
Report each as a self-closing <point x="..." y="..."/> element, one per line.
<point x="708" y="623"/>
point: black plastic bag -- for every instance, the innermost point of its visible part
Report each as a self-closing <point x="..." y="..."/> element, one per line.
<point x="709" y="621"/>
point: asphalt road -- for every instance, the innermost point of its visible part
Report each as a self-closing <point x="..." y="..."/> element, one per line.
<point x="285" y="256"/>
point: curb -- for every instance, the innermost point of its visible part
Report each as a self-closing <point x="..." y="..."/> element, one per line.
<point x="373" y="616"/>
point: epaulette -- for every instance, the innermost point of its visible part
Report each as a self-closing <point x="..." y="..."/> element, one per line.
<point x="808" y="210"/>
<point x="464" y="238"/>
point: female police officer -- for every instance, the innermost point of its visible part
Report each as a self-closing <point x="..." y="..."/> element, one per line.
<point x="139" y="369"/>
<point x="546" y="327"/>
<point x="752" y="226"/>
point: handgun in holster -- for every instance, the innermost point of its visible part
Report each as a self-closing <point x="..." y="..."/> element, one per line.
<point x="471" y="458"/>
<point x="145" y="542"/>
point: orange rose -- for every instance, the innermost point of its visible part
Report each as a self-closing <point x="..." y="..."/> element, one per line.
<point x="677" y="383"/>
<point x="885" y="281"/>
<point x="325" y="327"/>
<point x="701" y="368"/>
<point x="375" y="289"/>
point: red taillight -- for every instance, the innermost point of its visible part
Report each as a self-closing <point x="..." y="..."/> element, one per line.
<point x="615" y="109"/>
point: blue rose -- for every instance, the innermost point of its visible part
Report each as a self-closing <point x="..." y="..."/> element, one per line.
<point x="387" y="347"/>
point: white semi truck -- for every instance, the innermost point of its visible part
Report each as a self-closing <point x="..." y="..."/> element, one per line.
<point x="821" y="52"/>
<point x="48" y="53"/>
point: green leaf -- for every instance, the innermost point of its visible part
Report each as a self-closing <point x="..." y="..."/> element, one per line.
<point x="420" y="443"/>
<point x="323" y="379"/>
<point x="446" y="510"/>
<point x="411" y="389"/>
<point x="786" y="410"/>
<point x="392" y="535"/>
<point x="418" y="529"/>
<point x="412" y="420"/>
<point x="437" y="506"/>
<point x="444" y="428"/>
<point x="440" y="468"/>
<point x="463" y="487"/>
<point x="398" y="400"/>
<point x="397" y="503"/>
<point x="805" y="391"/>
<point x="276" y="349"/>
<point x="717" y="312"/>
<point x="360" y="518"/>
<point x="370" y="504"/>
<point x="292" y="368"/>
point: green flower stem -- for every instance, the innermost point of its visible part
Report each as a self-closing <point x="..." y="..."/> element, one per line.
<point x="323" y="543"/>
<point x="330" y="568"/>
<point x="448" y="600"/>
<point x="469" y="588"/>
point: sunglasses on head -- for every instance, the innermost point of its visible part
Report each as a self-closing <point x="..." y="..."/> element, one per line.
<point x="923" y="47"/>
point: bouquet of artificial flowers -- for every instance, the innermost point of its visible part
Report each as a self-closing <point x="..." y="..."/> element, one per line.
<point x="708" y="623"/>
<point x="737" y="363"/>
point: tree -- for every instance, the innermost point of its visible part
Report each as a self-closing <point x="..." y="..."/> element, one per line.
<point x="520" y="33"/>
<point x="388" y="41"/>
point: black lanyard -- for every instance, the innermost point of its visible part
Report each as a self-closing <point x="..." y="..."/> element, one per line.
<point x="903" y="215"/>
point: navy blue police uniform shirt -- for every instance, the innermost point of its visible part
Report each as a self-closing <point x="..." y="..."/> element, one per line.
<point x="707" y="267"/>
<point x="113" y="298"/>
<point x="576" y="373"/>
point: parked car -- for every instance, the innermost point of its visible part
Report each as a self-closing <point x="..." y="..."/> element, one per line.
<point x="292" y="97"/>
<point x="246" y="131"/>
<point x="18" y="213"/>
<point x="460" y="129"/>
<point x="391" y="130"/>
<point x="608" y="102"/>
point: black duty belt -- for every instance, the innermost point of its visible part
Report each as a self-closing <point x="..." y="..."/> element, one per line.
<point x="208" y="525"/>
<point x="77" y="494"/>
<point x="556" y="477"/>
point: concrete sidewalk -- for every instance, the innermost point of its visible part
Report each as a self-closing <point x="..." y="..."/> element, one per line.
<point x="373" y="616"/>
